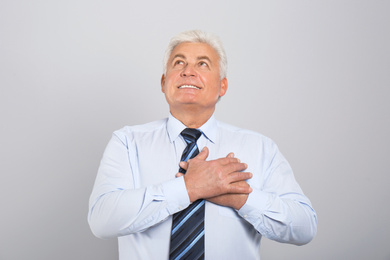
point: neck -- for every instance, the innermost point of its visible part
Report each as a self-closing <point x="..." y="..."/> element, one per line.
<point x="192" y="118"/>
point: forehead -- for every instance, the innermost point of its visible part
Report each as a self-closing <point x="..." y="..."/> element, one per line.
<point x="194" y="50"/>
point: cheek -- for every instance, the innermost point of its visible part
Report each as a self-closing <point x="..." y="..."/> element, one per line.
<point x="170" y="80"/>
<point x="217" y="85"/>
<point x="168" y="89"/>
<point x="165" y="86"/>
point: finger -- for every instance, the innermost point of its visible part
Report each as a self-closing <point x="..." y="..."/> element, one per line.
<point x="234" y="165"/>
<point x="240" y="188"/>
<point x="239" y="176"/>
<point x="228" y="160"/>
<point x="203" y="154"/>
<point x="184" y="165"/>
<point x="179" y="174"/>
<point x="230" y="155"/>
<point x="240" y="183"/>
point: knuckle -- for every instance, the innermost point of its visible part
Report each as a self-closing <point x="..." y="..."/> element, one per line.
<point x="234" y="160"/>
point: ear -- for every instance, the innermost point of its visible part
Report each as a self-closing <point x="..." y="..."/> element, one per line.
<point x="162" y="83"/>
<point x="224" y="87"/>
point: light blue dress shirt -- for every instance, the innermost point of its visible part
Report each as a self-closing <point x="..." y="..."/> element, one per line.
<point x="136" y="193"/>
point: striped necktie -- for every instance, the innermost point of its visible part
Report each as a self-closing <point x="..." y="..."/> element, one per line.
<point x="187" y="235"/>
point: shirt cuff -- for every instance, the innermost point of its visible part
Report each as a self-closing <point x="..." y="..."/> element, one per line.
<point x="176" y="194"/>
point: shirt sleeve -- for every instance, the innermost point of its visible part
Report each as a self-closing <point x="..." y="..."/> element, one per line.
<point x="279" y="210"/>
<point x="117" y="207"/>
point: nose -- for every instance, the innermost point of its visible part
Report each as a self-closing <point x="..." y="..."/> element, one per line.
<point x="188" y="71"/>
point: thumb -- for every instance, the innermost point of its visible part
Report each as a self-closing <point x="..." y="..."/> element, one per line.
<point x="203" y="154"/>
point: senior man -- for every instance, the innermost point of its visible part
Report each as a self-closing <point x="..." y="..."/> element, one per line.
<point x="189" y="186"/>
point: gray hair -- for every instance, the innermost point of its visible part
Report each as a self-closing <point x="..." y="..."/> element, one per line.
<point x="202" y="37"/>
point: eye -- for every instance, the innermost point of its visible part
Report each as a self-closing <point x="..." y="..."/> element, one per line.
<point x="178" y="62"/>
<point x="203" y="64"/>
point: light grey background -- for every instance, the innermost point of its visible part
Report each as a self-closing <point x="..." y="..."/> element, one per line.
<point x="312" y="75"/>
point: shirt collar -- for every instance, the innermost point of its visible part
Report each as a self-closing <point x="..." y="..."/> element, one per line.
<point x="174" y="128"/>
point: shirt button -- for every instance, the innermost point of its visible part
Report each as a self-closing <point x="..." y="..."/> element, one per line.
<point x="245" y="216"/>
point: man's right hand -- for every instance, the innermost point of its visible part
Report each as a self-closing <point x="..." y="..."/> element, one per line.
<point x="209" y="179"/>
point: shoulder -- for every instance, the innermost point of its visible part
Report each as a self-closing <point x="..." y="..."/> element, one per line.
<point x="225" y="128"/>
<point x="130" y="132"/>
<point x="245" y="138"/>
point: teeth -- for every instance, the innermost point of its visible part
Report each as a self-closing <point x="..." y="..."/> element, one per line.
<point x="188" y="86"/>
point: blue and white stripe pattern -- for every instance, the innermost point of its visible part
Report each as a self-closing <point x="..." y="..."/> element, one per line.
<point x="187" y="237"/>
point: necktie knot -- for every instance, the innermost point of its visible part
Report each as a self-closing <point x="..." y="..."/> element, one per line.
<point x="191" y="135"/>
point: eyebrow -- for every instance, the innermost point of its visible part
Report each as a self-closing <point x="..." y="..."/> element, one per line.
<point x="179" y="56"/>
<point x="204" y="58"/>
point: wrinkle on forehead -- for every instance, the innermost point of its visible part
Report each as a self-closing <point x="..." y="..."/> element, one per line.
<point x="204" y="57"/>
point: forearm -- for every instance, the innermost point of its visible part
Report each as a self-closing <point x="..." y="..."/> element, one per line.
<point x="123" y="212"/>
<point x="287" y="219"/>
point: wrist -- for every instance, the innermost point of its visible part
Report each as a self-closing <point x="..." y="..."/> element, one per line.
<point x="192" y="195"/>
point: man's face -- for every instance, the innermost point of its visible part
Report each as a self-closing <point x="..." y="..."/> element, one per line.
<point x="192" y="78"/>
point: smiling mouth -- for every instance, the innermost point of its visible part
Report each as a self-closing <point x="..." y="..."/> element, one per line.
<point x="189" y="86"/>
